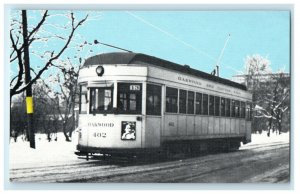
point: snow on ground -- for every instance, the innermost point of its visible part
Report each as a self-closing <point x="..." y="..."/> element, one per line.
<point x="62" y="152"/>
<point x="45" y="154"/>
<point x="264" y="139"/>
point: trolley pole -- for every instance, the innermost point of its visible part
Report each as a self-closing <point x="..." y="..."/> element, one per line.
<point x="29" y="99"/>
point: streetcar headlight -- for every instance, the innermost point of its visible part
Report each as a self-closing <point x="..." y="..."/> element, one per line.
<point x="100" y="70"/>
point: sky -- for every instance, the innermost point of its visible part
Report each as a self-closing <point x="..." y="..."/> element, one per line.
<point x="195" y="38"/>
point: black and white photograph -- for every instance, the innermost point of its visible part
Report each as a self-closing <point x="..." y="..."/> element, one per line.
<point x="149" y="96"/>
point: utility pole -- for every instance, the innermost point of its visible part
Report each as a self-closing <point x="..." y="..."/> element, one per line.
<point x="29" y="99"/>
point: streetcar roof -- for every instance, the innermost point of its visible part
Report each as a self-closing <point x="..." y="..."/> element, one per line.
<point x="143" y="59"/>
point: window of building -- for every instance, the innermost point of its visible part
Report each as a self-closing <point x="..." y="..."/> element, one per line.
<point x="182" y="101"/>
<point x="232" y="108"/>
<point x="153" y="104"/>
<point x="211" y="105"/>
<point x="227" y="107"/>
<point x="217" y="106"/>
<point x="223" y="107"/>
<point x="243" y="109"/>
<point x="198" y="103"/>
<point x="83" y="100"/>
<point x="101" y="100"/>
<point x="129" y="98"/>
<point x="171" y="100"/>
<point x="191" y="98"/>
<point x="205" y="104"/>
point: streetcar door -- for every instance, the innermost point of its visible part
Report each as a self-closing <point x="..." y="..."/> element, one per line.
<point x="153" y="118"/>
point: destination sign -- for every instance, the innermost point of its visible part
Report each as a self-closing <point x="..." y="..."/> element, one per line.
<point x="135" y="87"/>
<point x="100" y="124"/>
<point x="205" y="84"/>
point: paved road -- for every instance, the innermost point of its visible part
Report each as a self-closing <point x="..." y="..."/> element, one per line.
<point x="256" y="163"/>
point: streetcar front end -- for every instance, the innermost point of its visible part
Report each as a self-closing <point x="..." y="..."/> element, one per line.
<point x="110" y="110"/>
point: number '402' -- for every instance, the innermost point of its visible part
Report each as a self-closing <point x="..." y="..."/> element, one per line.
<point x="103" y="135"/>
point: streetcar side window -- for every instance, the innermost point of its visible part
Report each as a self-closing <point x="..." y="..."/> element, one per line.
<point x="191" y="98"/>
<point x="227" y="107"/>
<point x="247" y="111"/>
<point x="198" y="103"/>
<point x="223" y="107"/>
<point x="217" y="106"/>
<point x="101" y="100"/>
<point x="237" y="109"/>
<point x="129" y="98"/>
<point x="243" y="109"/>
<point x="171" y="100"/>
<point x="83" y="100"/>
<point x="251" y="111"/>
<point x="205" y="104"/>
<point x="182" y="101"/>
<point x="211" y="105"/>
<point x="153" y="104"/>
<point x="232" y="108"/>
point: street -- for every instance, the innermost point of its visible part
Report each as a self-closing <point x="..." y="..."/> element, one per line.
<point x="251" y="164"/>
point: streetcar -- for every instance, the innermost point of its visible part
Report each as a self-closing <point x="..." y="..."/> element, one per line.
<point x="134" y="103"/>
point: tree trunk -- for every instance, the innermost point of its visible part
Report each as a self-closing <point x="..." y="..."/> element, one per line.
<point x="72" y="125"/>
<point x="65" y="131"/>
<point x="279" y="122"/>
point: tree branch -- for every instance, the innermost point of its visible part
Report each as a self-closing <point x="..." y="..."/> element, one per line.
<point x="21" y="70"/>
<point x="50" y="62"/>
<point x="38" y="25"/>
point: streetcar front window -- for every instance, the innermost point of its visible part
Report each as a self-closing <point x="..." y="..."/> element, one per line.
<point x="83" y="100"/>
<point x="129" y="98"/>
<point x="101" y="100"/>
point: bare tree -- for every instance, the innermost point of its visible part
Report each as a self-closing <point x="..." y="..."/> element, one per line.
<point x="256" y="70"/>
<point x="276" y="102"/>
<point x="66" y="99"/>
<point x="35" y="34"/>
<point x="270" y="93"/>
<point x="46" y="113"/>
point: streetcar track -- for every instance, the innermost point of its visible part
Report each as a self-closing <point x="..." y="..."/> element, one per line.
<point x="190" y="178"/>
<point x="97" y="161"/>
<point x="92" y="174"/>
<point x="191" y="166"/>
<point x="145" y="171"/>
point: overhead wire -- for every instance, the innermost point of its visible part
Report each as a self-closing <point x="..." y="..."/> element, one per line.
<point x="171" y="36"/>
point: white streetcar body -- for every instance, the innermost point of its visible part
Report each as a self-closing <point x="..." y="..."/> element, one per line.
<point x="135" y="102"/>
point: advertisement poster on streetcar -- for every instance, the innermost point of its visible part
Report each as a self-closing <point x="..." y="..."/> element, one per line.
<point x="128" y="131"/>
